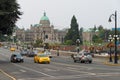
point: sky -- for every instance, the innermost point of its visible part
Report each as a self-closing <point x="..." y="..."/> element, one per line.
<point x="60" y="12"/>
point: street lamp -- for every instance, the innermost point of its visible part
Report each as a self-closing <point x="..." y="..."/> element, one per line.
<point x="6" y="36"/>
<point x="115" y="37"/>
<point x="14" y="34"/>
<point x="110" y="39"/>
<point x="77" y="43"/>
<point x="44" y="35"/>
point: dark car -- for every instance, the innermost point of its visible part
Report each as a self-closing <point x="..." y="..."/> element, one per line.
<point x="16" y="58"/>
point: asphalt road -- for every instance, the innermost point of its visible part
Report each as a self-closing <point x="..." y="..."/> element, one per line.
<point x="60" y="68"/>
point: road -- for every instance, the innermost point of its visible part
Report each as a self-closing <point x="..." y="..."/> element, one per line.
<point x="60" y="68"/>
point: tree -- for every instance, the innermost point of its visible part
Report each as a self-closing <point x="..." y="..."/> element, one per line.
<point x="100" y="27"/>
<point x="94" y="29"/>
<point x="81" y="37"/>
<point x="68" y="42"/>
<point x="73" y="32"/>
<point x="38" y="43"/>
<point x="9" y="14"/>
<point x="96" y="39"/>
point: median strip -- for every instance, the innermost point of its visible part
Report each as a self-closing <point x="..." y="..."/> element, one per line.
<point x="110" y="64"/>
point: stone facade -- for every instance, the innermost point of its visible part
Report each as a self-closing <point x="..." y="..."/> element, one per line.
<point x="43" y="31"/>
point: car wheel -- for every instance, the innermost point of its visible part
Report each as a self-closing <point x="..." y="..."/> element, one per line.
<point x="48" y="62"/>
<point x="75" y="61"/>
<point x="22" y="61"/>
<point x="38" y="61"/>
<point x="34" y="61"/>
<point x="90" y="61"/>
<point x="82" y="61"/>
<point x="11" y="61"/>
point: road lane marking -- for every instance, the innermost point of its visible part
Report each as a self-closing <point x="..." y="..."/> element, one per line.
<point x="75" y="69"/>
<point x="31" y="79"/>
<point x="7" y="75"/>
<point x="22" y="70"/>
<point x="85" y="72"/>
<point x="85" y="67"/>
<point x="48" y="69"/>
<point x="70" y="65"/>
<point x="30" y="69"/>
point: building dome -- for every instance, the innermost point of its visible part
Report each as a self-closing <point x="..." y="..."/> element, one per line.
<point x="44" y="20"/>
<point x="44" y="17"/>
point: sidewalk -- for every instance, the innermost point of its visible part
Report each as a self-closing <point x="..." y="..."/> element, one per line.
<point x="112" y="63"/>
<point x="106" y="62"/>
<point x="5" y="76"/>
<point x="104" y="59"/>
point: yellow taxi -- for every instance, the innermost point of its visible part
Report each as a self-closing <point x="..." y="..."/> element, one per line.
<point x="12" y="49"/>
<point x="41" y="58"/>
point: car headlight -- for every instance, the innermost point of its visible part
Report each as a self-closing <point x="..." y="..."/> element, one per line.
<point x="14" y="57"/>
<point x="21" y="57"/>
<point x="48" y="59"/>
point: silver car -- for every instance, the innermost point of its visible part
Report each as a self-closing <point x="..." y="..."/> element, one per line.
<point x="82" y="57"/>
<point x="48" y="53"/>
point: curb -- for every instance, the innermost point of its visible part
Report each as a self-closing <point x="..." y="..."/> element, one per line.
<point x="111" y="64"/>
<point x="7" y="74"/>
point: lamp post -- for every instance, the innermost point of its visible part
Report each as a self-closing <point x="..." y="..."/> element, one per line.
<point x="44" y="45"/>
<point x="77" y="43"/>
<point x="44" y="35"/>
<point x="115" y="37"/>
<point x="14" y="34"/>
<point x="6" y="37"/>
<point x="110" y="39"/>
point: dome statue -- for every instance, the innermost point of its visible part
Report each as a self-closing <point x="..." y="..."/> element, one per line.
<point x="44" y="20"/>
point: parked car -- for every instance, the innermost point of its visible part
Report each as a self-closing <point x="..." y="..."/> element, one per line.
<point x="82" y="57"/>
<point x="41" y="58"/>
<point x="24" y="52"/>
<point x="5" y="47"/>
<point x="12" y="49"/>
<point x="48" y="53"/>
<point x="31" y="54"/>
<point x="16" y="58"/>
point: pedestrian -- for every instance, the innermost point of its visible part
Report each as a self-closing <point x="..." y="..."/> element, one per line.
<point x="57" y="52"/>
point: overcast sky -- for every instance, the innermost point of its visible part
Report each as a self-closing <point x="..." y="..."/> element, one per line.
<point x="87" y="12"/>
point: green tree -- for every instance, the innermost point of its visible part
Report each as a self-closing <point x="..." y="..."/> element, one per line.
<point x="81" y="37"/>
<point x="38" y="43"/>
<point x="96" y="39"/>
<point x="73" y="32"/>
<point x="100" y="28"/>
<point x="68" y="42"/>
<point x="9" y="14"/>
<point x="95" y="28"/>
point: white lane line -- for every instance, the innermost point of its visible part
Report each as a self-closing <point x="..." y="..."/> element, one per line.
<point x="48" y="69"/>
<point x="30" y="69"/>
<point x="70" y="68"/>
<point x="85" y="72"/>
<point x="31" y="79"/>
<point x="22" y="70"/>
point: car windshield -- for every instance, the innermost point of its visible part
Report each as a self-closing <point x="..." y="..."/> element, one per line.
<point x="47" y="52"/>
<point x="87" y="54"/>
<point x="80" y="54"/>
<point x="18" y="55"/>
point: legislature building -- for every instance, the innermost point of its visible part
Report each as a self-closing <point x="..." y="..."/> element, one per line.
<point x="43" y="30"/>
